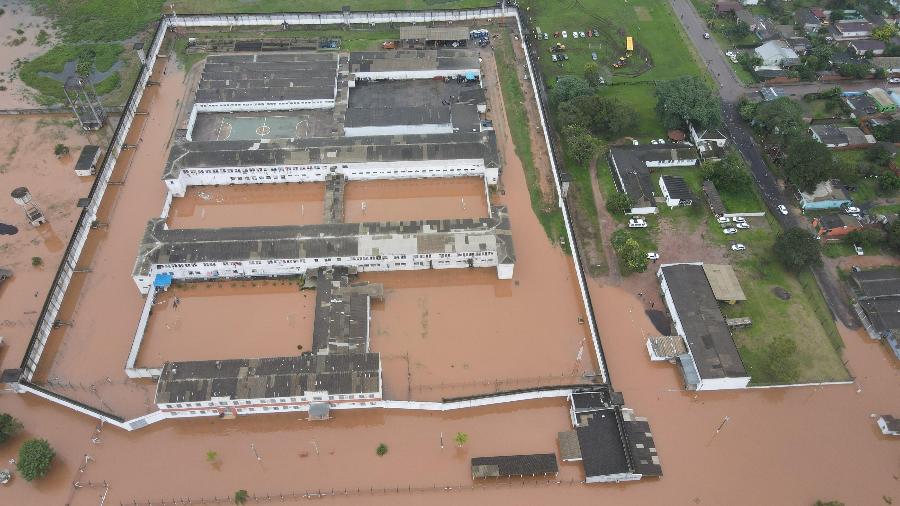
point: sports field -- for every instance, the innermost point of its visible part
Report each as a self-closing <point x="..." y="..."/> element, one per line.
<point x="258" y="126"/>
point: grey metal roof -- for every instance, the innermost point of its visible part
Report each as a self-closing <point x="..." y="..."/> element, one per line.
<point x="341" y="322"/>
<point x="412" y="60"/>
<point x="677" y="187"/>
<point x="160" y="245"/>
<point x="713" y="198"/>
<point x="88" y="157"/>
<point x="631" y="164"/>
<point x="268" y="77"/>
<point x="829" y="133"/>
<point x="601" y="443"/>
<point x="706" y="333"/>
<point x="884" y="281"/>
<point x="441" y="33"/>
<point x="330" y="150"/>
<point x="514" y="465"/>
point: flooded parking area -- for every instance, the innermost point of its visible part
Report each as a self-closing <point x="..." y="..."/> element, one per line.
<point x="228" y="320"/>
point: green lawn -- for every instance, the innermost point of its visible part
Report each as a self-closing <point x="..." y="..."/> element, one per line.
<point x="241" y="6"/>
<point x="688" y="217"/>
<point x="50" y="90"/>
<point x="652" y="24"/>
<point x="642" y="98"/>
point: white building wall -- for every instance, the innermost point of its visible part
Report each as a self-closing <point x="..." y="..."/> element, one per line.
<point x="430" y="129"/>
<point x="318" y="172"/>
<point x="672" y="163"/>
<point x="415" y="74"/>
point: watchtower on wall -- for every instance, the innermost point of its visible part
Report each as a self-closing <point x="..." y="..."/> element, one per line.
<point x="33" y="213"/>
<point x="84" y="102"/>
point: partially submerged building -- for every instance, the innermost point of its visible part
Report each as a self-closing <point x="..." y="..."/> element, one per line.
<point x="248" y="252"/>
<point x="86" y="164"/>
<point x="509" y="466"/>
<point x="340" y="371"/>
<point x="711" y="360"/>
<point x="876" y="295"/>
<point x="612" y="444"/>
<point x="632" y="165"/>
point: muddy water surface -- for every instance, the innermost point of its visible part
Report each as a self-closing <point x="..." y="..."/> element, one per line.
<point x="426" y="199"/>
<point x="19" y="15"/>
<point x="214" y="321"/>
<point x="248" y="206"/>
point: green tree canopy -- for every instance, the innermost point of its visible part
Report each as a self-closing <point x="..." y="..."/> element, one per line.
<point x="618" y="203"/>
<point x="729" y="174"/>
<point x="884" y="33"/>
<point x="35" y="457"/>
<point x="797" y="249"/>
<point x="781" y="116"/>
<point x="892" y="237"/>
<point x="569" y="87"/>
<point x="606" y="117"/>
<point x="889" y="132"/>
<point x="687" y="99"/>
<point x="808" y="163"/>
<point x="632" y="255"/>
<point x="580" y="145"/>
<point x="591" y="72"/>
<point x="9" y="427"/>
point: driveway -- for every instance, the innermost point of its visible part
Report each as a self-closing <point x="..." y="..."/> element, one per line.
<point x="730" y="90"/>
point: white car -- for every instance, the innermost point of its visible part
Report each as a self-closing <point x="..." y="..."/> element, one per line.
<point x="743" y="226"/>
<point x="565" y="34"/>
<point x="723" y="220"/>
<point x="637" y="223"/>
<point x="894" y="80"/>
<point x="729" y="231"/>
<point x="782" y="209"/>
<point x="652" y="255"/>
<point x="574" y="35"/>
<point x="553" y="57"/>
<point x="635" y="142"/>
<point x="546" y="36"/>
<point x="582" y="35"/>
<point x="738" y="247"/>
<point x="851" y="210"/>
<point x="740" y="219"/>
<point x="859" y="250"/>
<point x="706" y="35"/>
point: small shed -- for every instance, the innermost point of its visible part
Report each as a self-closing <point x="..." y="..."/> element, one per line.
<point x="713" y="198"/>
<point x="319" y="411"/>
<point x="676" y="191"/>
<point x="87" y="160"/>
<point x="724" y="283"/>
<point x="538" y="464"/>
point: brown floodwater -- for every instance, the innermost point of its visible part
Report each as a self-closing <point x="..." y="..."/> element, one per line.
<point x="422" y="199"/>
<point x="20" y="15"/>
<point x="226" y="320"/>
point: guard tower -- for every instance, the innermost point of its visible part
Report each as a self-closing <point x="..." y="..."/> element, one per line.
<point x="33" y="213"/>
<point x="84" y="102"/>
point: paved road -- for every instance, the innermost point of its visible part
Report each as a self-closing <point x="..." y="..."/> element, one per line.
<point x="730" y="90"/>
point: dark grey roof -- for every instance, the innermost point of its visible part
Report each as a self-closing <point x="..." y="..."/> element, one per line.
<point x="881" y="282"/>
<point x="88" y="157"/>
<point x="212" y="154"/>
<point x="165" y="246"/>
<point x="713" y="198"/>
<point x="862" y="104"/>
<point x="412" y="60"/>
<point x="829" y="133"/>
<point x="642" y="448"/>
<point x="706" y="333"/>
<point x="853" y="26"/>
<point x="268" y="77"/>
<point x="256" y="378"/>
<point x="864" y="45"/>
<point x="835" y="220"/>
<point x="423" y="115"/>
<point x="805" y="16"/>
<point x="677" y="187"/>
<point x="590" y="400"/>
<point x="631" y="164"/>
<point x="514" y="465"/>
<point x="601" y="442"/>
<point x="341" y="322"/>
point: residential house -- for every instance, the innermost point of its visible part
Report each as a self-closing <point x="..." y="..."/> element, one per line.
<point x="800" y="45"/>
<point x="883" y="101"/>
<point x="710" y="142"/>
<point x="807" y="21"/>
<point x="827" y="195"/>
<point x="631" y="167"/>
<point x="764" y="74"/>
<point x="727" y="6"/>
<point x="777" y="53"/>
<point x="862" y="106"/>
<point x="749" y="2"/>
<point x="676" y="191"/>
<point x="766" y="29"/>
<point x="876" y="294"/>
<point x="848" y="30"/>
<point x="889" y="425"/>
<point x="862" y="47"/>
<point x="836" y="136"/>
<point x="748" y="18"/>
<point x="834" y="227"/>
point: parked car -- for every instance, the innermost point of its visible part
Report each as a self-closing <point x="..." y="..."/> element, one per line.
<point x="596" y="32"/>
<point x="637" y="223"/>
<point x="653" y="255"/>
<point x="706" y="35"/>
<point x="565" y="57"/>
<point x="851" y="210"/>
<point x="546" y="36"/>
<point x="859" y="250"/>
<point x="738" y="247"/>
<point x="635" y="142"/>
<point x="724" y="219"/>
<point x="743" y="225"/>
<point x="729" y="231"/>
<point x="565" y="34"/>
<point x="782" y="209"/>
<point x="574" y="35"/>
<point x="553" y="57"/>
<point x="594" y="56"/>
<point x="581" y="34"/>
<point x="894" y="80"/>
<point x="589" y="34"/>
<point x="740" y="219"/>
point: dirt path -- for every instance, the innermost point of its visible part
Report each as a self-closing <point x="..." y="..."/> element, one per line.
<point x="607" y="227"/>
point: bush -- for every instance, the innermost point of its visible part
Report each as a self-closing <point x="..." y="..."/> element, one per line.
<point x="866" y="237"/>
<point x="61" y="150"/>
<point x="9" y="427"/>
<point x="632" y="256"/>
<point x="618" y="203"/>
<point x="35" y="457"/>
<point x="381" y="450"/>
<point x="797" y="249"/>
<point x="37" y="261"/>
<point x="240" y="497"/>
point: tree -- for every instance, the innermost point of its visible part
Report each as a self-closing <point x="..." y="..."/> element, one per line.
<point x="211" y="455"/>
<point x="569" y="87"/>
<point x="892" y="237"/>
<point x="746" y="109"/>
<point x="612" y="118"/>
<point x="381" y="450"/>
<point x="888" y="183"/>
<point x="35" y="457"/>
<point x="632" y="255"/>
<point x="854" y="70"/>
<point x="578" y="111"/>
<point x="737" y="31"/>
<point x="884" y="33"/>
<point x="618" y="203"/>
<point x="9" y="427"/>
<point x="581" y="146"/>
<point x="687" y="99"/>
<point x="591" y="72"/>
<point x="879" y="155"/>
<point x="780" y="364"/>
<point x="749" y="60"/>
<point x="880" y="73"/>
<point x="241" y="496"/>
<point x="461" y="438"/>
<point x="37" y="261"/>
<point x="781" y="116"/>
<point x="865" y="237"/>
<point x="808" y="163"/>
<point x="889" y="132"/>
<point x="60" y="150"/>
<point x="797" y="249"/>
<point x="729" y="175"/>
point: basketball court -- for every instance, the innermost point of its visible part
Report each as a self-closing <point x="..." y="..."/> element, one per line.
<point x="259" y="126"/>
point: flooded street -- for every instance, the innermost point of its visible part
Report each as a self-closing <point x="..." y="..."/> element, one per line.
<point x="236" y="319"/>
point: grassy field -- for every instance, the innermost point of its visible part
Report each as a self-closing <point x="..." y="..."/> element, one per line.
<point x="652" y="24"/>
<point x="99" y="20"/>
<point x="550" y="215"/>
<point x="241" y="6"/>
<point x="50" y="90"/>
<point x="642" y="98"/>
